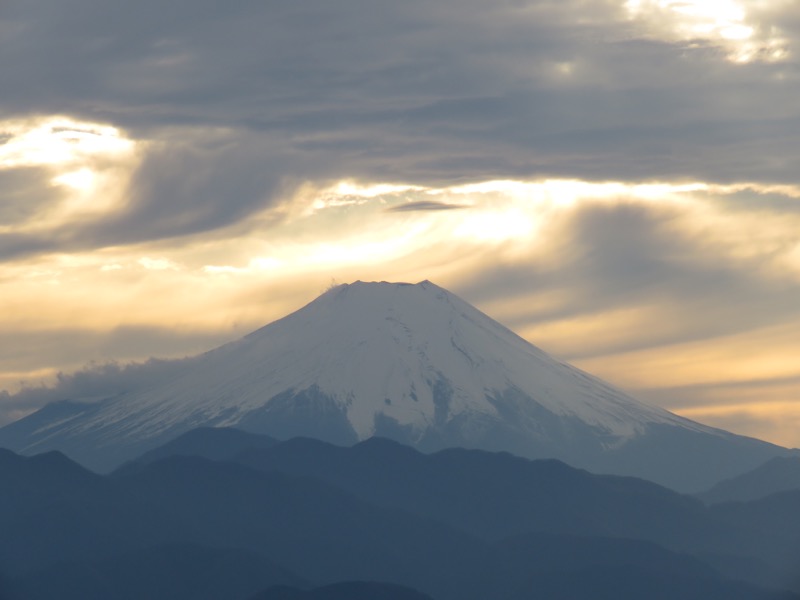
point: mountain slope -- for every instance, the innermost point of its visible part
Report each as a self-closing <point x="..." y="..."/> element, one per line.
<point x="495" y="496"/>
<point x="779" y="474"/>
<point x="205" y="529"/>
<point x="177" y="571"/>
<point x="488" y="494"/>
<point x="92" y="533"/>
<point x="411" y="362"/>
<point x="351" y="590"/>
<point x="214" y="443"/>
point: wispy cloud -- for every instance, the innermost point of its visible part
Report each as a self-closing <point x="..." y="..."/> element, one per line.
<point x="90" y="384"/>
<point x="424" y="205"/>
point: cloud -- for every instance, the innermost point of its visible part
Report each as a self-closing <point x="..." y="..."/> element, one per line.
<point x="25" y="192"/>
<point x="690" y="273"/>
<point x="425" y="205"/>
<point x="92" y="383"/>
<point x="724" y="393"/>
<point x="777" y="421"/>
<point x="232" y="110"/>
<point x="77" y="346"/>
<point x="501" y="89"/>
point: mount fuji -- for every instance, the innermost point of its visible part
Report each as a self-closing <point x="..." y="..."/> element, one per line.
<point x="411" y="362"/>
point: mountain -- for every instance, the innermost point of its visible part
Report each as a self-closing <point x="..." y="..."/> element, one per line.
<point x="495" y="496"/>
<point x="214" y="443"/>
<point x="350" y="590"/>
<point x="311" y="528"/>
<point x="487" y="494"/>
<point x="52" y="509"/>
<point x="88" y="535"/>
<point x="570" y="567"/>
<point x="187" y="527"/>
<point x="414" y="363"/>
<point x="776" y="516"/>
<point x="176" y="571"/>
<point x="779" y="474"/>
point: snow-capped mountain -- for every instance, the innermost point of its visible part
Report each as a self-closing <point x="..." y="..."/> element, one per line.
<point x="411" y="362"/>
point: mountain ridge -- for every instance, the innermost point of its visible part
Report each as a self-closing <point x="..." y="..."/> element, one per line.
<point x="188" y="527"/>
<point x="778" y="474"/>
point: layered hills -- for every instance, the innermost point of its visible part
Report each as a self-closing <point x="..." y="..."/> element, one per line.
<point x="305" y="519"/>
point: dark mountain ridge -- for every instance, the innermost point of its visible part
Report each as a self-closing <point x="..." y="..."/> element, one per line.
<point x="298" y="525"/>
<point x="494" y="496"/>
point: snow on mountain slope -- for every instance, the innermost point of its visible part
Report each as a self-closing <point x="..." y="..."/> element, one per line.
<point x="412" y="362"/>
<point x="382" y="349"/>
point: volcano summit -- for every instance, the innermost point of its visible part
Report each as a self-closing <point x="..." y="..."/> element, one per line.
<point x="412" y="362"/>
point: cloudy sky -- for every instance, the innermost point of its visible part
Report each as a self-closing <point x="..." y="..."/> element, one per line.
<point x="617" y="181"/>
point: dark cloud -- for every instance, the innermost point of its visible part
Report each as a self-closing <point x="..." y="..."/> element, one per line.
<point x="192" y="186"/>
<point x="24" y="192"/>
<point x="424" y="205"/>
<point x="381" y="90"/>
<point x="242" y="101"/>
<point x="15" y="245"/>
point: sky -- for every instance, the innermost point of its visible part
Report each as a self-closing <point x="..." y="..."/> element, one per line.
<point x="616" y="181"/>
